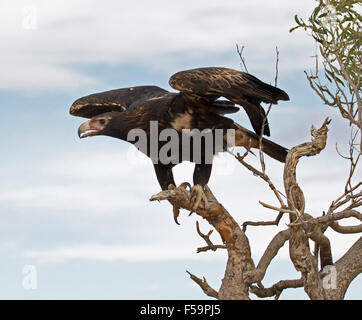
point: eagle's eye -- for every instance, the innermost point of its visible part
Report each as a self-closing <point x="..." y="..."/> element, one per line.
<point x="102" y="121"/>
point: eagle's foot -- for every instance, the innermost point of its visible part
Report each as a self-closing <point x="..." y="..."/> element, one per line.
<point x="185" y="185"/>
<point x="198" y="195"/>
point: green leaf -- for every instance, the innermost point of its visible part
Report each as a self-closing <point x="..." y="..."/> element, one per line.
<point x="294" y="28"/>
<point x="297" y="20"/>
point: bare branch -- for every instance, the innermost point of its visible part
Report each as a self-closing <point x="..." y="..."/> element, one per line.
<point x="324" y="246"/>
<point x="207" y="248"/>
<point x="263" y="223"/>
<point x="348" y="267"/>
<point x="271" y="251"/>
<point x="330" y="218"/>
<point x="341" y="200"/>
<point x="276" y="67"/>
<point x="205" y="237"/>
<point x="262" y="175"/>
<point x="240" y="53"/>
<point x="345" y="229"/>
<point x="265" y="121"/>
<point x="356" y="89"/>
<point x="276" y="289"/>
<point x="210" y="245"/>
<point x="204" y="286"/>
<point x="283" y="210"/>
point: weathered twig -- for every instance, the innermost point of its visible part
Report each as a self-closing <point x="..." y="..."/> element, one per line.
<point x="207" y="248"/>
<point x="240" y="53"/>
<point x="330" y="218"/>
<point x="204" y="286"/>
<point x="265" y="117"/>
<point x="283" y="210"/>
<point x="263" y="223"/>
<point x="262" y="175"/>
<point x="268" y="223"/>
<point x="206" y="237"/>
<point x="345" y="198"/>
<point x="276" y="289"/>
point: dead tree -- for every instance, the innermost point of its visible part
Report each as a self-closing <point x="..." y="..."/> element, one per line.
<point x="241" y="273"/>
<point x="320" y="276"/>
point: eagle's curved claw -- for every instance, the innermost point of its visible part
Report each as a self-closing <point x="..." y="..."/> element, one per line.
<point x="198" y="195"/>
<point x="176" y="213"/>
<point x="175" y="209"/>
<point x="185" y="185"/>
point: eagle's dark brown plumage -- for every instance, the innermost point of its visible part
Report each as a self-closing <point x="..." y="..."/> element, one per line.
<point x="205" y="85"/>
<point x="197" y="106"/>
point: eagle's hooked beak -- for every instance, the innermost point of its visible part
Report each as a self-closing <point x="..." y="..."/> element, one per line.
<point x="92" y="126"/>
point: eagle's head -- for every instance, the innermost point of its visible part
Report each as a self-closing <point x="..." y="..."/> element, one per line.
<point x="106" y="124"/>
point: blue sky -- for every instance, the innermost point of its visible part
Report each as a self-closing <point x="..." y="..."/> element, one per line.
<point x="78" y="210"/>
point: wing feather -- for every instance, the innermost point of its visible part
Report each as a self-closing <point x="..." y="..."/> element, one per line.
<point x="114" y="100"/>
<point x="238" y="87"/>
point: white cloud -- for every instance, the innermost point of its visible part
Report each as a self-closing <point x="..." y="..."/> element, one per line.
<point x="9" y="245"/>
<point x="100" y="183"/>
<point x="112" y="252"/>
<point x="32" y="75"/>
<point x="73" y="197"/>
<point x="157" y="34"/>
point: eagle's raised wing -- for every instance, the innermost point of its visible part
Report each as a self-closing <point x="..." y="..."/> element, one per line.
<point x="114" y="100"/>
<point x="208" y="84"/>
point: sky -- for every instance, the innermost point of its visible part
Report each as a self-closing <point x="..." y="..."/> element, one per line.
<point x="78" y="211"/>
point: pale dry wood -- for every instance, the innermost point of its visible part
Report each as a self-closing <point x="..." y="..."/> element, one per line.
<point x="276" y="289"/>
<point x="347" y="268"/>
<point x="263" y="223"/>
<point x="238" y="248"/>
<point x="299" y="250"/>
<point x="207" y="248"/>
<point x="206" y="237"/>
<point x="346" y="229"/>
<point x="204" y="286"/>
<point x="326" y="219"/>
<point x="257" y="274"/>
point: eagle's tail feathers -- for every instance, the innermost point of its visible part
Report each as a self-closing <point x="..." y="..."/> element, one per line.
<point x="248" y="139"/>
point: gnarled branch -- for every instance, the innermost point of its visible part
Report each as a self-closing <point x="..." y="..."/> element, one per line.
<point x="204" y="286"/>
<point x="276" y="289"/>
<point x="271" y="251"/>
<point x="299" y="249"/>
<point x="206" y="237"/>
<point x="239" y="256"/>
